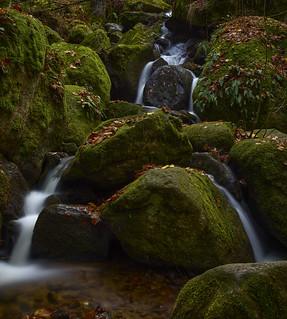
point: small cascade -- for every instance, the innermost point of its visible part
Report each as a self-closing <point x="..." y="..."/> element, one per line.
<point x="18" y="268"/>
<point x="143" y="79"/>
<point x="263" y="250"/>
<point x="190" y="106"/>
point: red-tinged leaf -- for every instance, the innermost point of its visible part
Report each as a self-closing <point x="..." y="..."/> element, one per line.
<point x="68" y="213"/>
<point x="85" y="223"/>
<point x="217" y="201"/>
<point x="44" y="313"/>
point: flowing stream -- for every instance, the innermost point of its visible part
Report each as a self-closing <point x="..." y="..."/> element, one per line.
<point x="174" y="54"/>
<point x="18" y="268"/>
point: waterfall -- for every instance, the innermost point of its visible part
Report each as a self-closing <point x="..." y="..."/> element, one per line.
<point x="143" y="79"/>
<point x="263" y="250"/>
<point x="18" y="268"/>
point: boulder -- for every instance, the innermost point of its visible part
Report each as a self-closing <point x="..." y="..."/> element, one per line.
<point x="205" y="136"/>
<point x="78" y="33"/>
<point x="13" y="189"/>
<point x="118" y="109"/>
<point x="97" y="41"/>
<point x="125" y="64"/>
<point x="152" y="6"/>
<point x="262" y="163"/>
<point x="129" y="19"/>
<point x="168" y="86"/>
<point x="79" y="123"/>
<point x="223" y="175"/>
<point x="177" y="217"/>
<point x="84" y="68"/>
<point x="242" y="81"/>
<point x="118" y="148"/>
<point x="235" y="291"/>
<point x="32" y="105"/>
<point x="70" y="233"/>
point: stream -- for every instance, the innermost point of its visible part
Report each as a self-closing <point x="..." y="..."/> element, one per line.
<point x="125" y="288"/>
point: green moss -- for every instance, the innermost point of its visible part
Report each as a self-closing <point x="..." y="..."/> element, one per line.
<point x="203" y="136"/>
<point x="155" y="138"/>
<point x="235" y="291"/>
<point x="52" y="36"/>
<point x="237" y="88"/>
<point x="97" y="41"/>
<point x="176" y="231"/>
<point x="78" y="125"/>
<point x="78" y="33"/>
<point x="85" y="68"/>
<point x="117" y="109"/>
<point x="154" y="6"/>
<point x="261" y="163"/>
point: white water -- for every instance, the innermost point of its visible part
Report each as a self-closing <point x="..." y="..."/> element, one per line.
<point x="143" y="79"/>
<point x="18" y="269"/>
<point x="262" y="249"/>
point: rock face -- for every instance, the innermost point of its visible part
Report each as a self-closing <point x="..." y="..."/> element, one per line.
<point x="79" y="125"/>
<point x="172" y="217"/>
<point x="204" y="136"/>
<point x="262" y="163"/>
<point x="13" y="188"/>
<point x="112" y="162"/>
<point x="66" y="233"/>
<point x="97" y="40"/>
<point x="235" y="291"/>
<point x="125" y="65"/>
<point x="32" y="108"/>
<point x="168" y="86"/>
<point x="240" y="89"/>
<point x="85" y="68"/>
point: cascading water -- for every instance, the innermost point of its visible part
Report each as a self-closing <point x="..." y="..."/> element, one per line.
<point x="18" y="268"/>
<point x="262" y="248"/>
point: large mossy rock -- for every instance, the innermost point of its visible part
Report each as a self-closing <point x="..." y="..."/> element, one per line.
<point x="79" y="124"/>
<point x="97" y="41"/>
<point x="236" y="291"/>
<point x="118" y="109"/>
<point x="207" y="135"/>
<point x="85" y="68"/>
<point x="125" y="66"/>
<point x="153" y="6"/>
<point x="78" y="33"/>
<point x="244" y="77"/>
<point x="129" y="19"/>
<point x="212" y="12"/>
<point x="111" y="162"/>
<point x="176" y="217"/>
<point x="168" y="86"/>
<point x="32" y="108"/>
<point x="70" y="233"/>
<point x="13" y="189"/>
<point x="262" y="163"/>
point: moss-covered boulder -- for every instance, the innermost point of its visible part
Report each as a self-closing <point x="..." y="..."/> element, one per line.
<point x="51" y="35"/>
<point x="125" y="66"/>
<point x="235" y="291"/>
<point x="153" y="6"/>
<point x="13" y="189"/>
<point x="78" y="33"/>
<point x="110" y="161"/>
<point x="176" y="217"/>
<point x="262" y="163"/>
<point x="140" y="34"/>
<point x="129" y="19"/>
<point x="97" y="41"/>
<point x="168" y="86"/>
<point x="32" y="108"/>
<point x="211" y="12"/>
<point x="118" y="109"/>
<point x="70" y="233"/>
<point x="243" y="78"/>
<point x="79" y="124"/>
<point x="222" y="174"/>
<point x="85" y="68"/>
<point x="207" y="135"/>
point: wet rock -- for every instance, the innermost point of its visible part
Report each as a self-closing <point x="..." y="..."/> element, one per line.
<point x="207" y="135"/>
<point x="168" y="86"/>
<point x="70" y="233"/>
<point x="221" y="172"/>
<point x="129" y="19"/>
<point x="153" y="138"/>
<point x="262" y="164"/>
<point x="235" y="291"/>
<point x="176" y="217"/>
